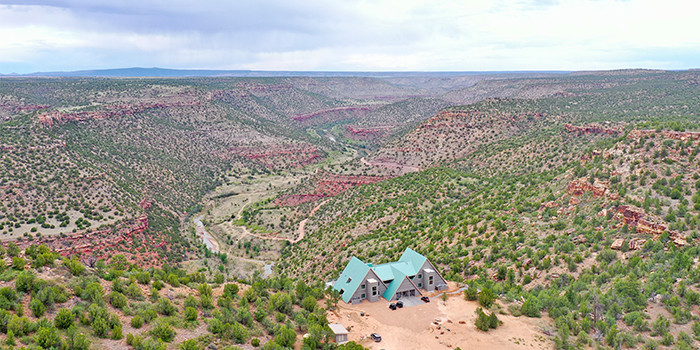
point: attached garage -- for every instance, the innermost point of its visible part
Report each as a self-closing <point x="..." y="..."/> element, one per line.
<point x="400" y="288"/>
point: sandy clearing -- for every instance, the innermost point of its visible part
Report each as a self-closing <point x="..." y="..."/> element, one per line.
<point x="413" y="327"/>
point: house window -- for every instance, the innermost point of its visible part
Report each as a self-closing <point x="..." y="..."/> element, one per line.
<point x="341" y="291"/>
<point x="420" y="275"/>
<point x="363" y="296"/>
<point x="349" y="280"/>
<point x="374" y="290"/>
<point x="430" y="280"/>
<point x="363" y="286"/>
<point x="420" y="285"/>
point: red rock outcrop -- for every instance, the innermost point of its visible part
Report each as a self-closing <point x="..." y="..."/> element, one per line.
<point x="97" y="243"/>
<point x="637" y="243"/>
<point x="332" y="184"/>
<point x="642" y="222"/>
<point x="90" y="246"/>
<point x="634" y="244"/>
<point x="117" y="110"/>
<point x="592" y="129"/>
<point x="275" y="156"/>
<point x="599" y="188"/>
<point x="328" y="185"/>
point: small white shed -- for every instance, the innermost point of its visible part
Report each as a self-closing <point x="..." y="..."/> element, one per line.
<point x="341" y="334"/>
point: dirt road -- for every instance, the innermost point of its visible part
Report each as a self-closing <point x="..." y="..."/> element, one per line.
<point x="301" y="230"/>
<point x="438" y="325"/>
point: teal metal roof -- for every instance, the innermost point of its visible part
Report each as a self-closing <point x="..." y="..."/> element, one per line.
<point x="351" y="278"/>
<point x="414" y="258"/>
<point x="392" y="287"/>
<point x="393" y="270"/>
<point x="396" y="272"/>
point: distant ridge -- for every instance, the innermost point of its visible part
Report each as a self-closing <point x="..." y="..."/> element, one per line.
<point x="184" y="73"/>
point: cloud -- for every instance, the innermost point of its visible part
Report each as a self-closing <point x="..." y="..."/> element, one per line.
<point x="348" y="34"/>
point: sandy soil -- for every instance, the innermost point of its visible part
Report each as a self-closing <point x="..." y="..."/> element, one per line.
<point x="57" y="230"/>
<point x="437" y="325"/>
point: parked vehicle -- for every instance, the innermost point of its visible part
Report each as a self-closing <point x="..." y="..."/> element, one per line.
<point x="392" y="306"/>
<point x="425" y="299"/>
<point x="376" y="337"/>
<point x="399" y="304"/>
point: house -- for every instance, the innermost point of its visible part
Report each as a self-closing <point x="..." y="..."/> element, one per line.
<point x="341" y="334"/>
<point x="406" y="277"/>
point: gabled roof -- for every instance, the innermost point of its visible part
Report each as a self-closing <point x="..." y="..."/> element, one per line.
<point x="394" y="286"/>
<point x="351" y="278"/>
<point x="393" y="270"/>
<point x="355" y="272"/>
<point x="415" y="259"/>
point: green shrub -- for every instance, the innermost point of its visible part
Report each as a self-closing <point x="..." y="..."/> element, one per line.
<point x="530" y="308"/>
<point x="118" y="300"/>
<point x="482" y="320"/>
<point x="162" y="330"/>
<point x="24" y="282"/>
<point x="75" y="267"/>
<point x="64" y="319"/>
<point x="191" y="301"/>
<point x="20" y="326"/>
<point x="117" y="332"/>
<point x="10" y="340"/>
<point x="309" y="303"/>
<point x="136" y="322"/>
<point x="48" y="338"/>
<point x="486" y="297"/>
<point x="190" y="344"/>
<point x="190" y="314"/>
<point x="471" y="294"/>
<point x="18" y="263"/>
<point x="77" y="341"/>
<point x="100" y="327"/>
<point x="285" y="336"/>
<point x="660" y="326"/>
<point x="134" y="292"/>
<point x="165" y="307"/>
<point x="230" y="290"/>
<point x="37" y="307"/>
<point x="93" y="293"/>
<point x="239" y="333"/>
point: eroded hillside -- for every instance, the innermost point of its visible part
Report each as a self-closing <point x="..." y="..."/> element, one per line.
<point x="584" y="205"/>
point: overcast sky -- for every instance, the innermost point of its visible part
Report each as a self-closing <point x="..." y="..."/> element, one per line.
<point x="374" y="35"/>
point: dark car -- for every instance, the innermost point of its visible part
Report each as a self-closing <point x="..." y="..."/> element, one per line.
<point x="392" y="306"/>
<point x="399" y="304"/>
<point x="425" y="299"/>
<point x="376" y="337"/>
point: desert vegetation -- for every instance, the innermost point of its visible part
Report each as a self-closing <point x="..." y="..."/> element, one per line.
<point x="574" y="198"/>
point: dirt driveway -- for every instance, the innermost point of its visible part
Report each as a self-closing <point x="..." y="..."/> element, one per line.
<point x="438" y="325"/>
